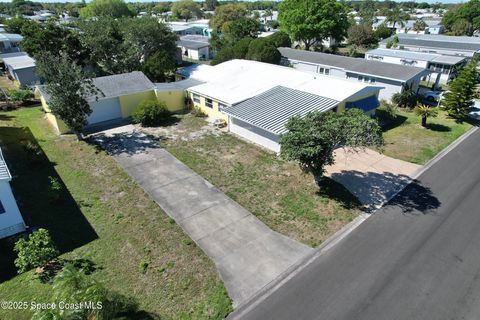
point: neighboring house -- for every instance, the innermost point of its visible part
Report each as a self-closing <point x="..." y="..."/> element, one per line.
<point x="10" y="42"/>
<point x="391" y="77"/>
<point x="256" y="99"/>
<point x="20" y="68"/>
<point x="196" y="27"/>
<point x="443" y="67"/>
<point x="444" y="45"/>
<point x="195" y="47"/>
<point x="435" y="29"/>
<point x="120" y="95"/>
<point x="432" y="26"/>
<point x="11" y="221"/>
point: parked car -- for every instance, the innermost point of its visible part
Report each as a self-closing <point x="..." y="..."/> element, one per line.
<point x="432" y="95"/>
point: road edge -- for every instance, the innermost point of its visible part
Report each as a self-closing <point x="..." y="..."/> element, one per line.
<point x="336" y="237"/>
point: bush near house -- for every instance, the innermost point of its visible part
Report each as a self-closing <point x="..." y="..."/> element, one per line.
<point x="151" y="113"/>
<point x="36" y="251"/>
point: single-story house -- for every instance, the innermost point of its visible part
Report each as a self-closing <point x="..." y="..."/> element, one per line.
<point x="20" y="68"/>
<point x="443" y="66"/>
<point x="11" y="221"/>
<point x="191" y="71"/>
<point x="195" y="27"/>
<point x="392" y="77"/>
<point x="10" y="42"/>
<point x="120" y="94"/>
<point x="195" y="47"/>
<point x="256" y="99"/>
<point x="431" y="43"/>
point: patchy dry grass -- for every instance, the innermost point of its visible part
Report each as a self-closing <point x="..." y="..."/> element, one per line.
<point x="106" y="217"/>
<point x="407" y="140"/>
<point x="276" y="191"/>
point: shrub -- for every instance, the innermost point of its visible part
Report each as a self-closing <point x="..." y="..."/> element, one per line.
<point x="34" y="252"/>
<point x="151" y="113"/>
<point x="197" y="112"/>
<point x="19" y="95"/>
<point x="142" y="267"/>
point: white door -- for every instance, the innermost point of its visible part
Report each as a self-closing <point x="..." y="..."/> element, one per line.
<point x="105" y="110"/>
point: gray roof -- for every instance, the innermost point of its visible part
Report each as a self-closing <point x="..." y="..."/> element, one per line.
<point x="12" y="54"/>
<point x="437" y="41"/>
<point x="271" y="109"/>
<point x="356" y="65"/>
<point x="191" y="44"/>
<point x="414" y="55"/>
<point x="177" y="85"/>
<point x="116" y="85"/>
<point x="4" y="173"/>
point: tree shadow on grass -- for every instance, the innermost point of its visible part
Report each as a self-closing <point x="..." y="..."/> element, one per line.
<point x="333" y="190"/>
<point x="31" y="171"/>
<point x="438" y="127"/>
<point x="6" y="117"/>
<point x="373" y="189"/>
<point x="387" y="122"/>
<point x="126" y="143"/>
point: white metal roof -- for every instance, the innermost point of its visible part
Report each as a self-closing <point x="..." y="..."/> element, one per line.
<point x="405" y="54"/>
<point x="4" y="172"/>
<point x="19" y="62"/>
<point x="10" y="37"/>
<point x="237" y="80"/>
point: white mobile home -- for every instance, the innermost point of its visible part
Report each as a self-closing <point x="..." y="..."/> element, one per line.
<point x="11" y="221"/>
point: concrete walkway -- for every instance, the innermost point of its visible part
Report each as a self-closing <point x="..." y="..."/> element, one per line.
<point x="371" y="176"/>
<point x="248" y="254"/>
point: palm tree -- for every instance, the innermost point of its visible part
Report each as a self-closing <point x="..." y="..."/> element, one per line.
<point x="425" y="111"/>
<point x="395" y="16"/>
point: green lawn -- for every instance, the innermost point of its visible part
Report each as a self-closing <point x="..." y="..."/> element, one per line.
<point x="405" y="139"/>
<point x="276" y="191"/>
<point x="106" y="217"/>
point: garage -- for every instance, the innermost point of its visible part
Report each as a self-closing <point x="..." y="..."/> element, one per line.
<point x="105" y="110"/>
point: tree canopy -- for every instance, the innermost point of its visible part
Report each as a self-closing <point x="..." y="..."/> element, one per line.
<point x="225" y="13"/>
<point x="361" y="35"/>
<point x="106" y="8"/>
<point x="469" y="15"/>
<point x="186" y="9"/>
<point x="68" y="87"/>
<point x="310" y="21"/>
<point x="263" y="50"/>
<point x="461" y="92"/>
<point x="312" y="139"/>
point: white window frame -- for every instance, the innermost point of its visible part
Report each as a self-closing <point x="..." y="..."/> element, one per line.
<point x="196" y="98"/>
<point x="209" y="103"/>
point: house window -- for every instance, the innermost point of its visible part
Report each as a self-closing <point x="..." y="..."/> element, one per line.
<point x="324" y="71"/>
<point x="321" y="70"/>
<point x="221" y="106"/>
<point x="2" y="209"/>
<point x="196" y="98"/>
<point x="327" y="71"/>
<point x="208" y="103"/>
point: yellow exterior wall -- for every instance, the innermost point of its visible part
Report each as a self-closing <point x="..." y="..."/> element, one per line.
<point x="175" y="100"/>
<point x="57" y="124"/>
<point x="130" y="102"/>
<point x="211" y="112"/>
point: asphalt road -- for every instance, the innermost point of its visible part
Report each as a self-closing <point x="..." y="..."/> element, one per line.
<point x="417" y="258"/>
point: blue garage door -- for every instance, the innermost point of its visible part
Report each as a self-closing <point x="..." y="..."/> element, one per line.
<point x="105" y="110"/>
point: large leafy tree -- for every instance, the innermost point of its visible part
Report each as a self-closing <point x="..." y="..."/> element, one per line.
<point x="361" y="35"/>
<point x="52" y="38"/>
<point x="468" y="13"/>
<point x="309" y="21"/>
<point x="210" y="5"/>
<point x="461" y="92"/>
<point x="109" y="8"/>
<point x="125" y="45"/>
<point x="312" y="139"/>
<point x="262" y="49"/>
<point x="68" y="87"/>
<point x="186" y="9"/>
<point x="16" y="24"/>
<point x="225" y="13"/>
<point x="234" y="30"/>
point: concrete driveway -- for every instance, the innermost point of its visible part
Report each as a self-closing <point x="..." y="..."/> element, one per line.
<point x="248" y="254"/>
<point x="371" y="176"/>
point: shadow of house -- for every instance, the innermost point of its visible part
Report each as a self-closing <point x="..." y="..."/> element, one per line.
<point x="31" y="171"/>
